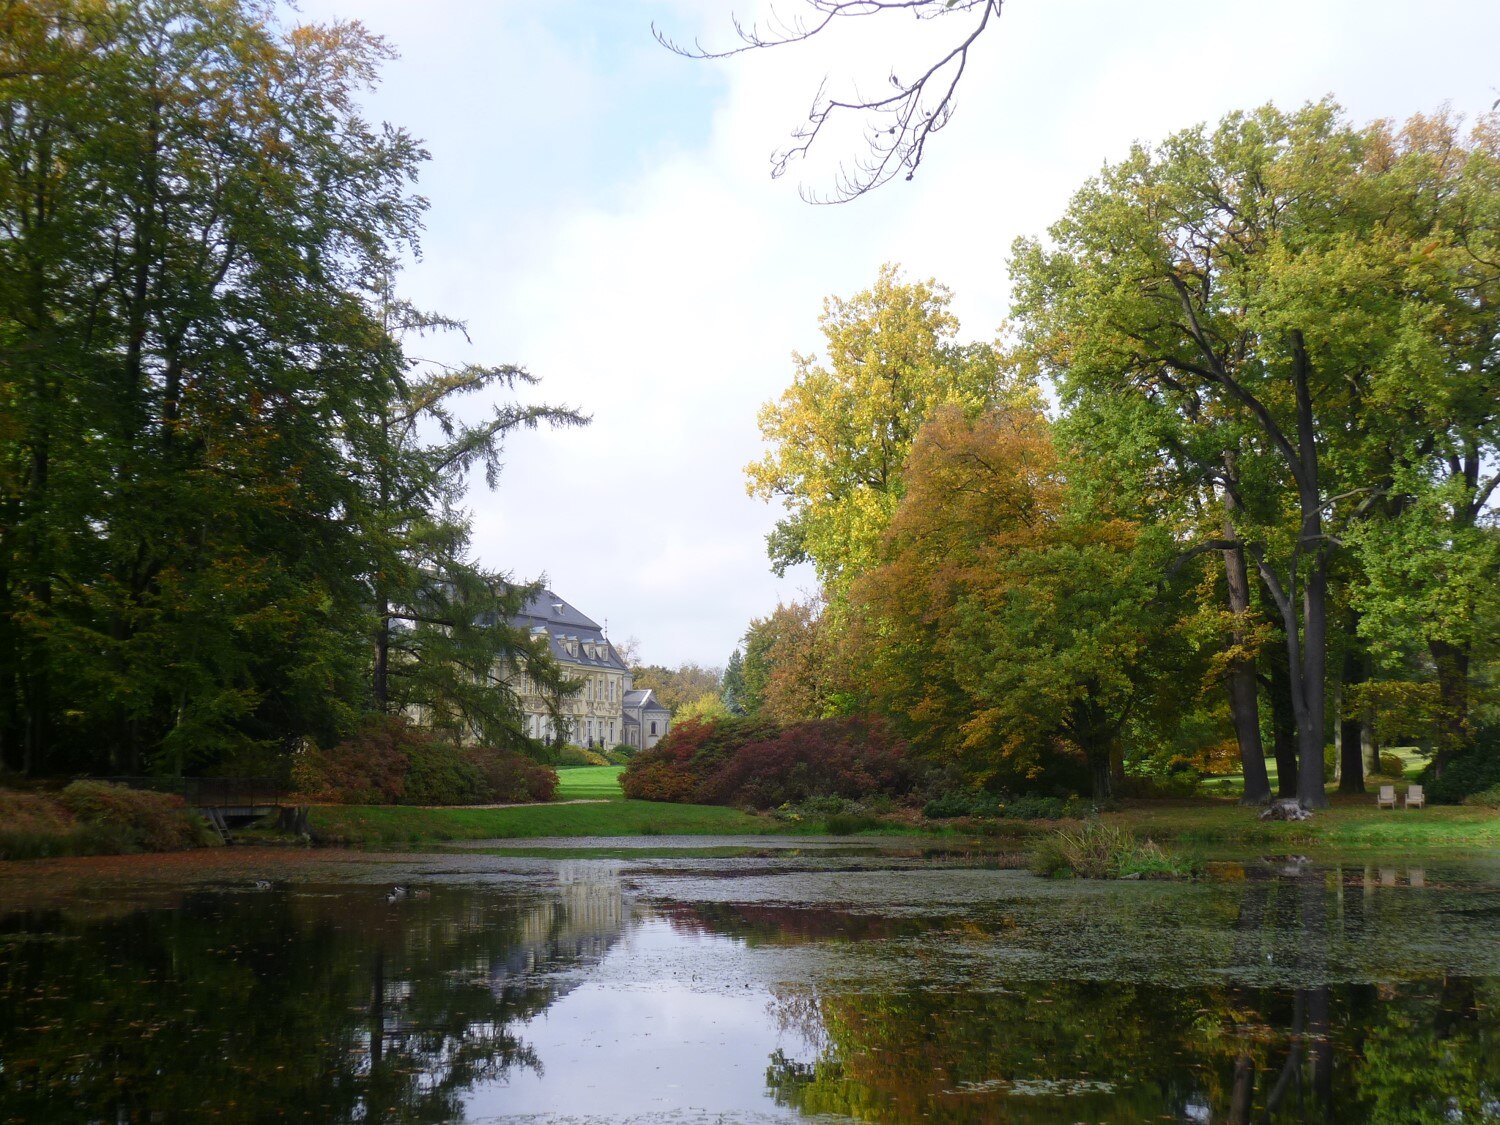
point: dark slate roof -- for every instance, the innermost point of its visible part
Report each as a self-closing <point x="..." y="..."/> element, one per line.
<point x="643" y="700"/>
<point x="561" y="622"/>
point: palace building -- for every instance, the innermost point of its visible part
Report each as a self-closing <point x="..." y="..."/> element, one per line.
<point x="605" y="711"/>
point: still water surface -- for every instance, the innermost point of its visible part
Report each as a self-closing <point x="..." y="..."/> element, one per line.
<point x="827" y="984"/>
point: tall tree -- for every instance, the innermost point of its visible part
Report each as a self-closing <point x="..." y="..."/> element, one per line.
<point x="1242" y="285"/>
<point x="442" y="640"/>
<point x="1002" y="621"/>
<point x="197" y="228"/>
<point x="839" y="435"/>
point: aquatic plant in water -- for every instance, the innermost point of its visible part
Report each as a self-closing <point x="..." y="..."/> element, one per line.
<point x="1096" y="850"/>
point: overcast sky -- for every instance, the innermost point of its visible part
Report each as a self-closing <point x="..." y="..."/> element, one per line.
<point x="602" y="213"/>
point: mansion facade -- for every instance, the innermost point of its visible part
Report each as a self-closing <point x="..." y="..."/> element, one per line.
<point x="605" y="711"/>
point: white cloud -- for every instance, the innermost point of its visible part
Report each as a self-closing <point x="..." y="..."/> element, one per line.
<point x="620" y="236"/>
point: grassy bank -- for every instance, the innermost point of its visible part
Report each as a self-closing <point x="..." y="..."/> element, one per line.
<point x="1350" y="824"/>
<point x="387" y="825"/>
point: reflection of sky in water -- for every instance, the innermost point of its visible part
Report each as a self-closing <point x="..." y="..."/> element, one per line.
<point x="654" y="1045"/>
<point x="881" y="987"/>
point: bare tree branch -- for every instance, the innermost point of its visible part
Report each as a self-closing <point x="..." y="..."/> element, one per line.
<point x="898" y="125"/>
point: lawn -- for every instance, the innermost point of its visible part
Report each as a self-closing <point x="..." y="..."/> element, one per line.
<point x="398" y="824"/>
<point x="1351" y="823"/>
<point x="590" y="783"/>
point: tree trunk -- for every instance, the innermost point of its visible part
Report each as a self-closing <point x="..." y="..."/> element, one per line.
<point x="1244" y="708"/>
<point x="1310" y="791"/>
<point x="1453" y="697"/>
<point x="1307" y="697"/>
<point x="1100" y="775"/>
<point x="1351" y="730"/>
<point x="1283" y="723"/>
<point x="379" y="686"/>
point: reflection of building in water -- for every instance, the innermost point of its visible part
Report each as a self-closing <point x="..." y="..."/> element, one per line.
<point x="577" y="927"/>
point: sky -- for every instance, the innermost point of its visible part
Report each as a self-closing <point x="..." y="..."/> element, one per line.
<point x="602" y="213"/>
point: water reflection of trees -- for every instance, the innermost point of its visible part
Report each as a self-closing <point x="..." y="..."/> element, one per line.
<point x="328" y="1004"/>
<point x="1409" y="1050"/>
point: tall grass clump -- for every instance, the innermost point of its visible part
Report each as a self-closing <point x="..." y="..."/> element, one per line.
<point x="1099" y="851"/>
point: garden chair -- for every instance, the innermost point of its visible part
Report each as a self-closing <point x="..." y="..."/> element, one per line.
<point x="1387" y="797"/>
<point x="1414" y="797"/>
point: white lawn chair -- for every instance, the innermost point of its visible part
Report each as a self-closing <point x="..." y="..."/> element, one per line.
<point x="1414" y="797"/>
<point x="1386" y="798"/>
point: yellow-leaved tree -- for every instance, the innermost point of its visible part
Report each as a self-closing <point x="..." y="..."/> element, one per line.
<point x="840" y="434"/>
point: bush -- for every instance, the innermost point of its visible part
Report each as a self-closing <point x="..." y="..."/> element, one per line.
<point x="1485" y="798"/>
<point x="692" y="750"/>
<point x="512" y="778"/>
<point x="1392" y="765"/>
<point x="620" y="754"/>
<point x="570" y="756"/>
<point x="388" y="762"/>
<point x="1474" y="771"/>
<point x="1157" y="788"/>
<point x="745" y="762"/>
<point x="982" y="804"/>
<point x="846" y="824"/>
<point x="122" y="819"/>
<point x="368" y="768"/>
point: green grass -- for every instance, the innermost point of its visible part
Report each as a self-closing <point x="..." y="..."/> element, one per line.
<point x="590" y="783"/>
<point x="395" y="824"/>
<point x="1352" y="823"/>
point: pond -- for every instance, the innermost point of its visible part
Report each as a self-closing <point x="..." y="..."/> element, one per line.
<point x="826" y="983"/>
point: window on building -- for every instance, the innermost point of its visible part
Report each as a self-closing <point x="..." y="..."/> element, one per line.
<point x="653" y="726"/>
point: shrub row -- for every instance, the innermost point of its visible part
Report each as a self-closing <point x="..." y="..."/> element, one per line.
<point x="391" y="762"/>
<point x="96" y="818"/>
<point x="992" y="805"/>
<point x="749" y="763"/>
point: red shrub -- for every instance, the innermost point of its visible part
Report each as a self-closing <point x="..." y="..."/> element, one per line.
<point x="369" y="768"/>
<point x="388" y="761"/>
<point x="512" y="778"/>
<point x="746" y="762"/>
<point x="854" y="758"/>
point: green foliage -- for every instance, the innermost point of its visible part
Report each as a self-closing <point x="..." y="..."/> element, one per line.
<point x="221" y="476"/>
<point x="1392" y="765"/>
<point x="569" y="756"/>
<point x="982" y="804"/>
<point x="847" y="824"/>
<point x="1485" y="798"/>
<point x="840" y="433"/>
<point x="1474" y="771"/>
